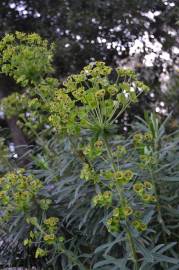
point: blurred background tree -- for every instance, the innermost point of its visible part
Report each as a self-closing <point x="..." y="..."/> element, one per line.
<point x="141" y="34"/>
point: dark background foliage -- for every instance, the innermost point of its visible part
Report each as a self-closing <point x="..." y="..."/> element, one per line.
<point x="78" y="26"/>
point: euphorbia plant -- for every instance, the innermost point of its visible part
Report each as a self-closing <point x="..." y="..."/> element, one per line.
<point x="86" y="109"/>
<point x="88" y="173"/>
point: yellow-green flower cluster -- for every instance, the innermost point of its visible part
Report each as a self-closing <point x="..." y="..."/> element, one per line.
<point x="144" y="145"/>
<point x="119" y="177"/>
<point x="139" y="225"/>
<point x="92" y="151"/>
<point x="46" y="89"/>
<point x="126" y="73"/>
<point x="31" y="107"/>
<point x="113" y="224"/>
<point x="147" y="159"/>
<point x="103" y="199"/>
<point x="98" y="69"/>
<point x="50" y="228"/>
<point x="34" y="117"/>
<point x="148" y="137"/>
<point x="88" y="174"/>
<point x="145" y="191"/>
<point x="45" y="203"/>
<point x="51" y="223"/>
<point x="40" y="253"/>
<point x="17" y="192"/>
<point x="91" y="100"/>
<point x="123" y="177"/>
<point x="140" y="138"/>
<point x="122" y="215"/>
<point x="45" y="234"/>
<point x="25" y="57"/>
<point x="63" y="114"/>
<point x="13" y="104"/>
<point x="119" y="214"/>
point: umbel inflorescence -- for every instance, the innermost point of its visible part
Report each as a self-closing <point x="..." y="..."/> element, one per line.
<point x="92" y="100"/>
